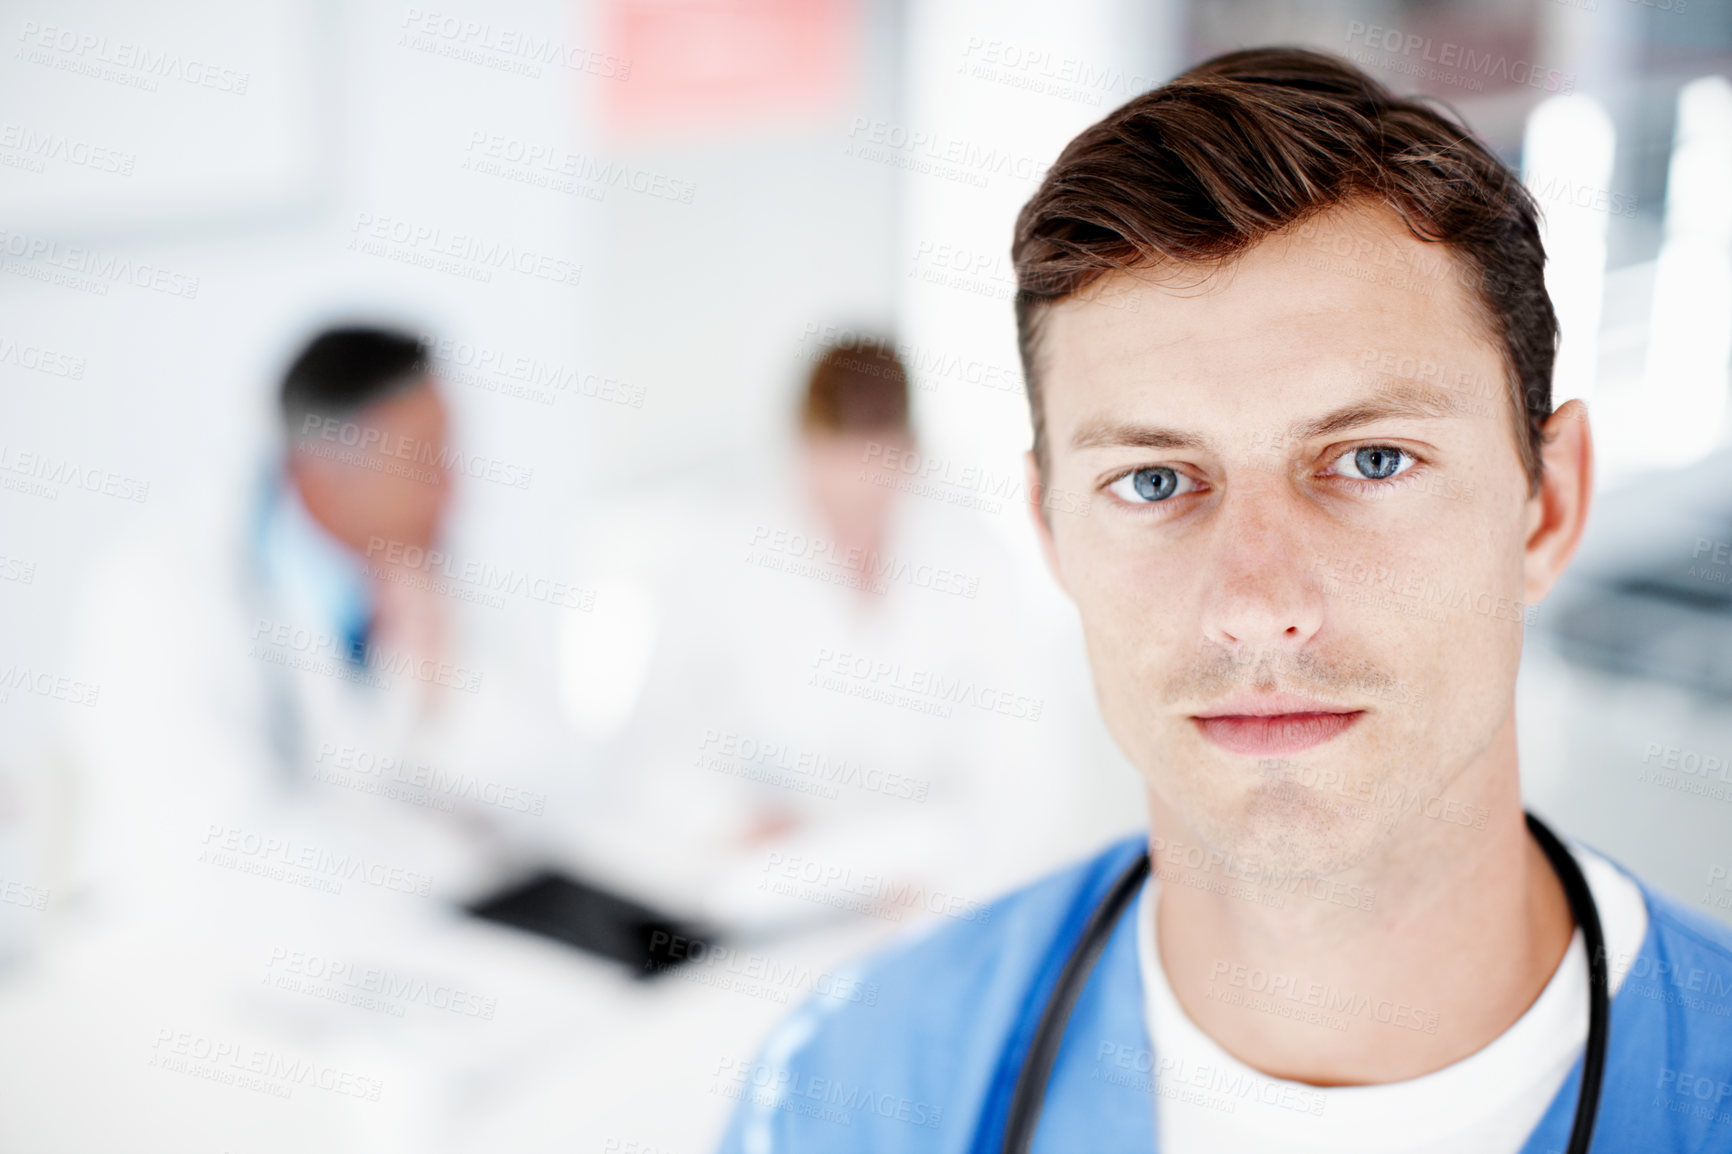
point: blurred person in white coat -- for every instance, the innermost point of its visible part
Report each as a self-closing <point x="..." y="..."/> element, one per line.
<point x="287" y="720"/>
<point x="839" y="698"/>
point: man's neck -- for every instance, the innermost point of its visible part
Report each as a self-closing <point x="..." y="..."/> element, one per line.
<point x="1452" y="932"/>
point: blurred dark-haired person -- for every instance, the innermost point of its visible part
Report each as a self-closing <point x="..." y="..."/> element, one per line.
<point x="834" y="722"/>
<point x="364" y="483"/>
<point x="1291" y="331"/>
<point x="285" y="692"/>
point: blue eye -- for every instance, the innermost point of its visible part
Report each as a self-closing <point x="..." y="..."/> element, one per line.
<point x="1376" y="462"/>
<point x="1147" y="486"/>
<point x="1155" y="484"/>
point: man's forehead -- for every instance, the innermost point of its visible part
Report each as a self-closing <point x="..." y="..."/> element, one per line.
<point x="422" y="396"/>
<point x="1368" y="400"/>
<point x="1277" y="319"/>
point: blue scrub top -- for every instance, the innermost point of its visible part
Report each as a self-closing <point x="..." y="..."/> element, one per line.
<point x="918" y="1049"/>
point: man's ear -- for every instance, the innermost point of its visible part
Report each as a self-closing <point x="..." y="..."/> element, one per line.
<point x="300" y="468"/>
<point x="1557" y="513"/>
<point x="1037" y="509"/>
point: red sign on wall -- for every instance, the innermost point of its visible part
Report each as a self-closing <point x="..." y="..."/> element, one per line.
<point x="718" y="64"/>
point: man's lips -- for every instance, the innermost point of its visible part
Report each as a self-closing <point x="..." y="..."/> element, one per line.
<point x="1274" y="726"/>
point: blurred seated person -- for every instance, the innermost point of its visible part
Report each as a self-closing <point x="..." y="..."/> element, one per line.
<point x="853" y="419"/>
<point x="284" y="705"/>
<point x="823" y="681"/>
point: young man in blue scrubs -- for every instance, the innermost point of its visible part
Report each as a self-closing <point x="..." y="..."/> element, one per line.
<point x="1292" y="335"/>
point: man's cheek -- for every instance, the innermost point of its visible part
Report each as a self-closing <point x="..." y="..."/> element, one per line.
<point x="1130" y="650"/>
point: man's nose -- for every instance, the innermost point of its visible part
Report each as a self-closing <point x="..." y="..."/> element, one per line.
<point x="1260" y="593"/>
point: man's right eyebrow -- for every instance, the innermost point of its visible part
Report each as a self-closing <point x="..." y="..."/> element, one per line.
<point x="1121" y="434"/>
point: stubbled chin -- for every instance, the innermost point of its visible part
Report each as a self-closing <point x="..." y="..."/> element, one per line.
<point x="1280" y="826"/>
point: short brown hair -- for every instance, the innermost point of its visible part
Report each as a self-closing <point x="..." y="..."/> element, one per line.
<point x="860" y="387"/>
<point x="1245" y="144"/>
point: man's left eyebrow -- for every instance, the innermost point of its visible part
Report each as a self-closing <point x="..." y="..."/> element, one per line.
<point x="1410" y="401"/>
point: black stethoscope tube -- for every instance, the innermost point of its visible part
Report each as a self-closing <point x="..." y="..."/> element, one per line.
<point x="1031" y="1083"/>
